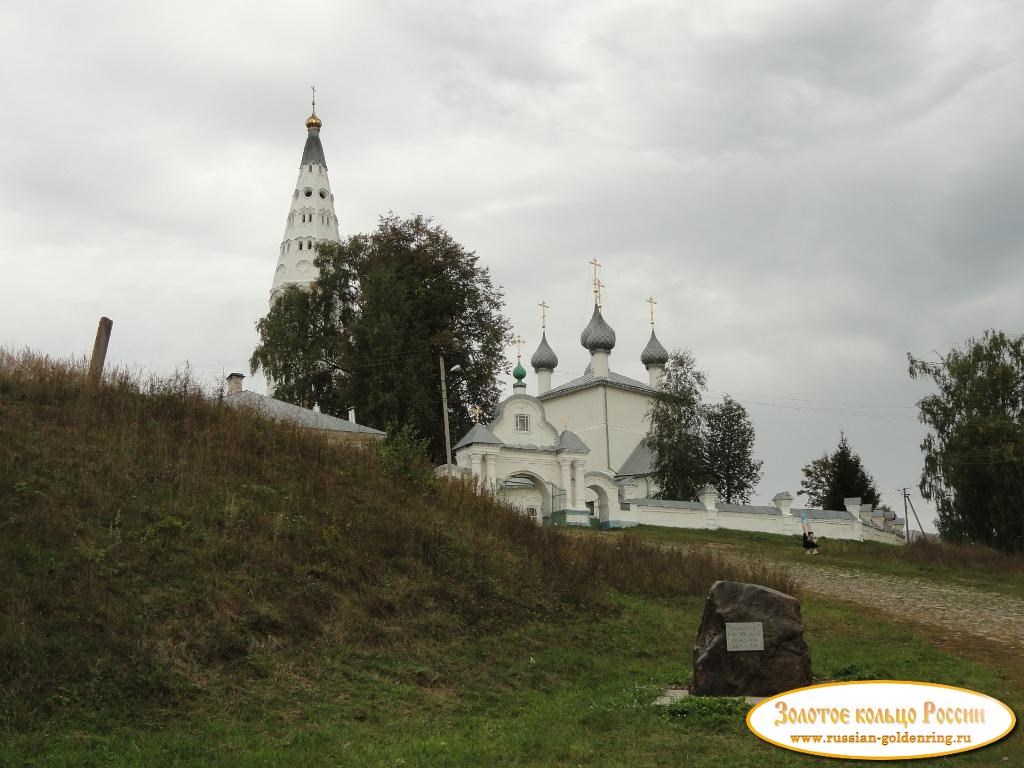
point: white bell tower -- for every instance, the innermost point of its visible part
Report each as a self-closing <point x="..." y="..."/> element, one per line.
<point x="311" y="218"/>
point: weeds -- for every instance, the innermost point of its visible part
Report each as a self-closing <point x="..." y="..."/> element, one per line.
<point x="154" y="541"/>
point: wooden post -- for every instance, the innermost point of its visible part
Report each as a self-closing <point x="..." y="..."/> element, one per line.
<point x="99" y="352"/>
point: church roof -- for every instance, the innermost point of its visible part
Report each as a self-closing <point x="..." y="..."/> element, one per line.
<point x="598" y="335"/>
<point x="544" y="358"/>
<point x="313" y="152"/>
<point x="570" y="441"/>
<point x="296" y="414"/>
<point x="640" y="461"/>
<point x="478" y="434"/>
<point x="654" y="353"/>
<point x="588" y="379"/>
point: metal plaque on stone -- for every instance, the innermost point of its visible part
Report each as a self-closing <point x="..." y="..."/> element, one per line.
<point x="744" y="636"/>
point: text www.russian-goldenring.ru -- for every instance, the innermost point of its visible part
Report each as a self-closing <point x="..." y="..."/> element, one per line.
<point x="884" y="740"/>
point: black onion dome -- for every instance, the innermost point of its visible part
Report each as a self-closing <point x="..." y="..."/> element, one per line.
<point x="544" y="358"/>
<point x="598" y="335"/>
<point x="654" y="353"/>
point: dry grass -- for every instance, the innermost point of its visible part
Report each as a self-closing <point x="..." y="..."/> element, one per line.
<point x="153" y="540"/>
<point x="950" y="554"/>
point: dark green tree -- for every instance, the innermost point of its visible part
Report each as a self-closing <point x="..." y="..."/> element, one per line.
<point x="305" y="334"/>
<point x="369" y="333"/>
<point x="729" y="451"/>
<point x="832" y="478"/>
<point x="974" y="451"/>
<point x="676" y="418"/>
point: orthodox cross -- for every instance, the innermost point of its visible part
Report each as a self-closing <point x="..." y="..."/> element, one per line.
<point x="652" y="302"/>
<point x="597" y="265"/>
<point x="477" y="411"/>
<point x="314" y="97"/>
<point x="597" y="293"/>
<point x="543" y="316"/>
<point x="518" y="341"/>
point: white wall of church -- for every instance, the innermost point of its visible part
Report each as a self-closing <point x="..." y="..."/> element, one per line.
<point x="539" y="432"/>
<point x="627" y="423"/>
<point x="584" y="412"/>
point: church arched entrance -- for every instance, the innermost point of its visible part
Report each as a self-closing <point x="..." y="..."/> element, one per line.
<point x="603" y="499"/>
<point x="528" y="493"/>
<point x="600" y="508"/>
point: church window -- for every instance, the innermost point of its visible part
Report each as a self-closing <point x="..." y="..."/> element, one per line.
<point x="307" y="192"/>
<point x="300" y="245"/>
<point x="323" y="194"/>
<point x="309" y="246"/>
<point x="522" y="422"/>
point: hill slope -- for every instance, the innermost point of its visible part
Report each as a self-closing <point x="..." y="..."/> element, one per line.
<point x="156" y="545"/>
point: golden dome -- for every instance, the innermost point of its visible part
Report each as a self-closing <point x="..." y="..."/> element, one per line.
<point x="313" y="121"/>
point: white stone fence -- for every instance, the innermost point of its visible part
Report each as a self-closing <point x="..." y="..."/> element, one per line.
<point x="858" y="522"/>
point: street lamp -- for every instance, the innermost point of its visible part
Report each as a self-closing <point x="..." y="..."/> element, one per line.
<point x="444" y="407"/>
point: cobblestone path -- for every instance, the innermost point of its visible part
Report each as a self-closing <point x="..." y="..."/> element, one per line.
<point x="957" y="611"/>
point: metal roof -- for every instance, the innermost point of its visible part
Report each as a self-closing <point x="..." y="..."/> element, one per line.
<point x="544" y="358"/>
<point x="313" y="152"/>
<point x="654" y="353"/>
<point x="669" y="504"/>
<point x="588" y="379"/>
<point x="823" y="514"/>
<point x="598" y="335"/>
<point x="750" y="509"/>
<point x="296" y="414"/>
<point x="570" y="441"/>
<point x="640" y="461"/>
<point x="478" y="434"/>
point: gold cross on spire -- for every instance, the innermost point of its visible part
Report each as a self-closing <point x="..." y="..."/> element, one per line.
<point x="597" y="265"/>
<point x="518" y="341"/>
<point x="598" y="285"/>
<point x="477" y="411"/>
<point x="543" y="316"/>
<point x="652" y="302"/>
<point x="313" y="87"/>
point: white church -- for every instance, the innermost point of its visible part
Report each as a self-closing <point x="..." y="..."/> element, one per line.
<point x="576" y="451"/>
<point x="573" y="454"/>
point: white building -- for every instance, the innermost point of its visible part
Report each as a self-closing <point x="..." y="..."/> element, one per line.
<point x="311" y="217"/>
<point x="575" y="454"/>
<point x="593" y="460"/>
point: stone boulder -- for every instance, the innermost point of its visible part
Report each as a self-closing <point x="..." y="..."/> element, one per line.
<point x="785" y="662"/>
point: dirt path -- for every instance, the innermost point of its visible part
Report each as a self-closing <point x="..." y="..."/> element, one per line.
<point x="956" y="611"/>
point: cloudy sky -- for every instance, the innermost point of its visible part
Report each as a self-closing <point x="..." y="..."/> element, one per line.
<point x="810" y="188"/>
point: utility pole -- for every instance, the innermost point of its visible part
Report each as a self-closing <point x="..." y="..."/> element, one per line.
<point x="444" y="407"/>
<point x="906" y="500"/>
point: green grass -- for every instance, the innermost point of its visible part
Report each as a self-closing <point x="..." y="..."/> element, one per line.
<point x="576" y="693"/>
<point x="963" y="565"/>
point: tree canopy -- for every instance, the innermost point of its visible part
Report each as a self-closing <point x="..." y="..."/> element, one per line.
<point x="837" y="476"/>
<point x="369" y="332"/>
<point x="696" y="444"/>
<point x="974" y="451"/>
<point x="729" y="451"/>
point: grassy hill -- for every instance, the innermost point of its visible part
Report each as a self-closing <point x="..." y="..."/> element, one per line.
<point x="182" y="583"/>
